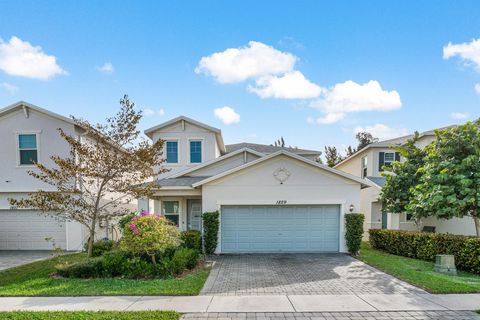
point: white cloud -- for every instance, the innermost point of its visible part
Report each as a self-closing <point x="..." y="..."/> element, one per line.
<point x="459" y="115"/>
<point x="477" y="88"/>
<point x="227" y="115"/>
<point x="350" y="96"/>
<point x="20" y="58"/>
<point x="468" y="52"/>
<point x="239" y="64"/>
<point x="150" y="112"/>
<point x="10" y="88"/>
<point x="291" y="85"/>
<point x="107" y="68"/>
<point x="382" y="132"/>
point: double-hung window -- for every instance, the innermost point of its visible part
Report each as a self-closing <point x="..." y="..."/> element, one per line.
<point x="195" y="151"/>
<point x="389" y="158"/>
<point x="170" y="210"/>
<point x="364" y="167"/>
<point x="172" y="151"/>
<point x="28" y="149"/>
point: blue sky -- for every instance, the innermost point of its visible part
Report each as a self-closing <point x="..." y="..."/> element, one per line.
<point x="311" y="71"/>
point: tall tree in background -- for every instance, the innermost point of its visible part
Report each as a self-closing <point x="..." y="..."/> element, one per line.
<point x="332" y="156"/>
<point x="105" y="170"/>
<point x="280" y="142"/>
<point x="450" y="182"/>
<point x="350" y="151"/>
<point x="364" y="139"/>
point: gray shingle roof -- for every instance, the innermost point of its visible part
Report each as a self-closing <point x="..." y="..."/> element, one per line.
<point x="379" y="181"/>
<point x="180" y="181"/>
<point x="267" y="149"/>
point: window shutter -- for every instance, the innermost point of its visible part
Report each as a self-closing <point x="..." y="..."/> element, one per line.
<point x="397" y="156"/>
<point x="381" y="161"/>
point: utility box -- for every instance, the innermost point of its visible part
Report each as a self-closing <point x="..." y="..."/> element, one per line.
<point x="445" y="263"/>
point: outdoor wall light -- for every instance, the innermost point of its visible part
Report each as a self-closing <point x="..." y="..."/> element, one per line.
<point x="351" y="207"/>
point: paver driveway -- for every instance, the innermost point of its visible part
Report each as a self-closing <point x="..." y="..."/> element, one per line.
<point x="10" y="259"/>
<point x="258" y="274"/>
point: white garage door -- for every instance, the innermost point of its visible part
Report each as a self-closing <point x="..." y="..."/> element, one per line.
<point x="313" y="228"/>
<point x="27" y="230"/>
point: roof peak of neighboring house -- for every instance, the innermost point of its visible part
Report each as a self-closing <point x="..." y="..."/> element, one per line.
<point x="218" y="133"/>
<point x="26" y="105"/>
<point x="265" y="148"/>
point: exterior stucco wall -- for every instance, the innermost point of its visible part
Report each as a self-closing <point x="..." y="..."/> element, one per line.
<point x="354" y="165"/>
<point x="306" y="185"/>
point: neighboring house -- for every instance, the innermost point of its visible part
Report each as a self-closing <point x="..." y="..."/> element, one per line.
<point x="270" y="199"/>
<point x="367" y="163"/>
<point x="29" y="133"/>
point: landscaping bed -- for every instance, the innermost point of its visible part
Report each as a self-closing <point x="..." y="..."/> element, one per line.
<point x="83" y="315"/>
<point x="419" y="272"/>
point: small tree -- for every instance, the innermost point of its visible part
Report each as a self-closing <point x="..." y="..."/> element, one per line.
<point x="402" y="177"/>
<point x="106" y="168"/>
<point x="450" y="182"/>
<point x="332" y="156"/>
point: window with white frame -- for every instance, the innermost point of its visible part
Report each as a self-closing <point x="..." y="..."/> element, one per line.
<point x="195" y="151"/>
<point x="364" y="167"/>
<point x="389" y="158"/>
<point x="171" y="211"/>
<point x="172" y="151"/>
<point x="27" y="148"/>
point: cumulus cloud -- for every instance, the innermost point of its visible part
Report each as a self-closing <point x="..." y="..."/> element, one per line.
<point x="150" y="112"/>
<point x="20" y="58"/>
<point x="10" y="88"/>
<point x="227" y="115"/>
<point x="239" y="64"/>
<point x="291" y="85"/>
<point x="459" y="115"/>
<point x="349" y="96"/>
<point x="468" y="52"/>
<point x="106" y="68"/>
<point x="477" y="88"/>
<point x="382" y="132"/>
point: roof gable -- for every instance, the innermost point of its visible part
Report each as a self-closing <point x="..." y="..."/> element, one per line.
<point x="26" y="106"/>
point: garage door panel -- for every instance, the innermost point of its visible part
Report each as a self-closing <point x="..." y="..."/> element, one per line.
<point x="280" y="228"/>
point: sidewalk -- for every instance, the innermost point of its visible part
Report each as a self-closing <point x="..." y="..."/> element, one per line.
<point x="265" y="303"/>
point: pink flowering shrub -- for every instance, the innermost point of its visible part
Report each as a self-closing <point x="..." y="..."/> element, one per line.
<point x="151" y="234"/>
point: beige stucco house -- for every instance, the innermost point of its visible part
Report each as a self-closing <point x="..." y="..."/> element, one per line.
<point x="367" y="163"/>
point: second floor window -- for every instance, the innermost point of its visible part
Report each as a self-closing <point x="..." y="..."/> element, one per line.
<point x="386" y="159"/>
<point x="389" y="158"/>
<point x="195" y="151"/>
<point x="364" y="167"/>
<point x="27" y="146"/>
<point x="172" y="152"/>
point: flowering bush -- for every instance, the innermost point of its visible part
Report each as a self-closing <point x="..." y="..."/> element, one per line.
<point x="150" y="234"/>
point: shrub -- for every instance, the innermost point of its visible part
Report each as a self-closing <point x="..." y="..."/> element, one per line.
<point x="192" y="239"/>
<point x="151" y="235"/>
<point x="90" y="268"/>
<point x="210" y="231"/>
<point x="354" y="231"/>
<point x="126" y="219"/>
<point x="101" y="246"/>
<point x="184" y="259"/>
<point x="425" y="246"/>
<point x="114" y="262"/>
<point x="136" y="268"/>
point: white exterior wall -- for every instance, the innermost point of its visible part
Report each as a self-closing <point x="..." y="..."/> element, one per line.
<point x="224" y="165"/>
<point x="306" y="185"/>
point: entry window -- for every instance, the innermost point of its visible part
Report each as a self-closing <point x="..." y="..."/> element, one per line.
<point x="172" y="152"/>
<point x="28" y="151"/>
<point x="195" y="151"/>
<point x="389" y="158"/>
<point x="364" y="167"/>
<point x="171" y="211"/>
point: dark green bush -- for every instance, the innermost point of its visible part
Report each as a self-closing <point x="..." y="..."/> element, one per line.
<point x="424" y="246"/>
<point x="90" y="268"/>
<point x="114" y="262"/>
<point x="192" y="239"/>
<point x="136" y="268"/>
<point x="210" y="231"/>
<point x="354" y="231"/>
<point x="184" y="259"/>
<point x="101" y="246"/>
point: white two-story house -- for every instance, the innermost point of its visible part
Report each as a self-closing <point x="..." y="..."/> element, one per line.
<point x="367" y="163"/>
<point x="270" y="199"/>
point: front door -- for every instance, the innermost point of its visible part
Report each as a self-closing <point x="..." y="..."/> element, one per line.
<point x="384" y="220"/>
<point x="194" y="215"/>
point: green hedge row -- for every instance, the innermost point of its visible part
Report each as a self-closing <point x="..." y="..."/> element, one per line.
<point x="354" y="231"/>
<point x="425" y="246"/>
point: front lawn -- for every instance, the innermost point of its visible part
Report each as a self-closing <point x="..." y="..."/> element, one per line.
<point x="34" y="280"/>
<point x="82" y="315"/>
<point x="420" y="273"/>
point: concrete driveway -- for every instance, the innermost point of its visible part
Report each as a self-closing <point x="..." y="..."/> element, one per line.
<point x="298" y="274"/>
<point x="10" y="259"/>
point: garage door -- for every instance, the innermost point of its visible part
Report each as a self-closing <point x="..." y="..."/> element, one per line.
<point x="27" y="230"/>
<point x="280" y="228"/>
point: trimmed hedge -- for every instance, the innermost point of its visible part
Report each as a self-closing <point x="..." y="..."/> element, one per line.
<point x="424" y="246"/>
<point x="192" y="239"/>
<point x="354" y="231"/>
<point x="211" y="224"/>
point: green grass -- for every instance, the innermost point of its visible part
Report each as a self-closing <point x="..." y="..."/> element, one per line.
<point x="34" y="280"/>
<point x="420" y="273"/>
<point x="82" y="315"/>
